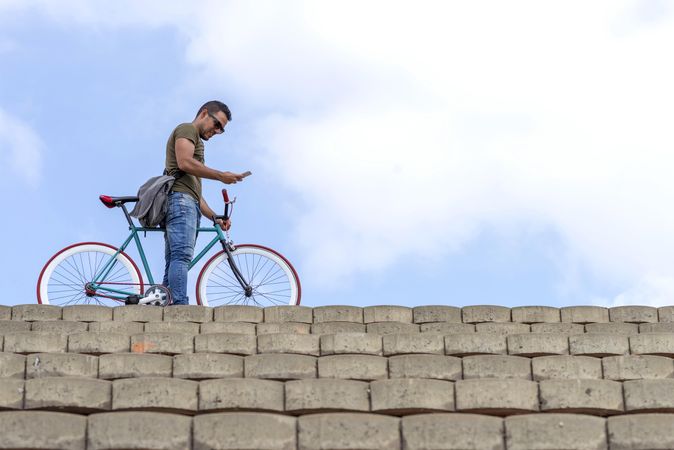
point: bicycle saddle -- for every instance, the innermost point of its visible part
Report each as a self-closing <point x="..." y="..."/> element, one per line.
<point x="111" y="202"/>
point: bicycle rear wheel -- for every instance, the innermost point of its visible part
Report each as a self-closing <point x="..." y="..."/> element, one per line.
<point x="272" y="277"/>
<point x="64" y="279"/>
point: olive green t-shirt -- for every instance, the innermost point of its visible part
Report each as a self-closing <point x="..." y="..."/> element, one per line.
<point x="185" y="182"/>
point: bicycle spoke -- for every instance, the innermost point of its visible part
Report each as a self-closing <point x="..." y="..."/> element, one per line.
<point x="272" y="281"/>
<point x="64" y="284"/>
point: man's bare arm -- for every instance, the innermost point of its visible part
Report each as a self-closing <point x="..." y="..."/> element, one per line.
<point x="187" y="163"/>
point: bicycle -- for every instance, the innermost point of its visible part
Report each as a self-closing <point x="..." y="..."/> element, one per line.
<point x="99" y="273"/>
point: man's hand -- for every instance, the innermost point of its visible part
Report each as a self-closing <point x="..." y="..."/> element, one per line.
<point x="225" y="225"/>
<point x="230" y="177"/>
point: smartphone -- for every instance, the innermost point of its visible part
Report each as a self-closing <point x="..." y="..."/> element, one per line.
<point x="246" y="173"/>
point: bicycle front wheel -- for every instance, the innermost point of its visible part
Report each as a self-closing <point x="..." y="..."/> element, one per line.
<point x="272" y="277"/>
<point x="65" y="278"/>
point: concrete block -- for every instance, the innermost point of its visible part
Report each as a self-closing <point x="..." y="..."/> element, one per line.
<point x="337" y="327"/>
<point x="496" y="396"/>
<point x="496" y="366"/>
<point x="343" y="430"/>
<point x="649" y="395"/>
<point x="39" y="365"/>
<point x="98" y="343"/>
<point x="233" y="344"/>
<point x="355" y="367"/>
<point x="134" y="365"/>
<point x="535" y="314"/>
<point x="425" y="366"/>
<point x="59" y="326"/>
<point x="502" y="328"/>
<point x="166" y="343"/>
<point x="279" y="366"/>
<point x="227" y="327"/>
<point x="87" y="313"/>
<point x="188" y="313"/>
<point x="139" y="430"/>
<point x="642" y="344"/>
<point x="5" y="312"/>
<point x="351" y="343"/>
<point x="624" y="328"/>
<point x="447" y="328"/>
<point x="485" y="313"/>
<point x="288" y="313"/>
<point x="475" y="344"/>
<point x="637" y="367"/>
<point x="404" y="396"/>
<point x="201" y="366"/>
<point x="68" y="394"/>
<point x="301" y="344"/>
<point x="596" y="344"/>
<point x="558" y="328"/>
<point x="384" y="328"/>
<point x="241" y="394"/>
<point x="155" y="394"/>
<point x="538" y="344"/>
<point x="452" y="432"/>
<point x="42" y="430"/>
<point x="238" y="313"/>
<point x="387" y="313"/>
<point x="137" y="313"/>
<point x="283" y="327"/>
<point x="584" y="314"/>
<point x="436" y="313"/>
<point x="338" y="313"/>
<point x="35" y="342"/>
<point x="13" y="326"/>
<point x="117" y="327"/>
<point x="555" y="431"/>
<point x="326" y="395"/>
<point x="244" y="430"/>
<point x="12" y="366"/>
<point x="660" y="327"/>
<point x="641" y="432"/>
<point x="666" y="314"/>
<point x="597" y="397"/>
<point x="11" y="394"/>
<point x="566" y="367"/>
<point x="401" y="344"/>
<point x="32" y="313"/>
<point x="633" y="314"/>
<point x="172" y="327"/>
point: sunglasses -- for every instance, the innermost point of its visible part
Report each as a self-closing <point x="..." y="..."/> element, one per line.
<point x="219" y="127"/>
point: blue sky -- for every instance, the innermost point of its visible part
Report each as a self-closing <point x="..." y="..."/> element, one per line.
<point x="510" y="153"/>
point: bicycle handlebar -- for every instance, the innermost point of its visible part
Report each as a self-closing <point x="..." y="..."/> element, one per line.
<point x="225" y="197"/>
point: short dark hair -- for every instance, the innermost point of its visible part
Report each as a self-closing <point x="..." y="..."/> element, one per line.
<point x="214" y="106"/>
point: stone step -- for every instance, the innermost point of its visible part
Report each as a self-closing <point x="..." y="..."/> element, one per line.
<point x="473" y="314"/>
<point x="235" y="430"/>
<point x="395" y="396"/>
<point x="365" y="366"/>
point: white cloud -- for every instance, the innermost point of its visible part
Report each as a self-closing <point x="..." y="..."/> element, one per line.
<point x="405" y="131"/>
<point x="652" y="290"/>
<point x="21" y="150"/>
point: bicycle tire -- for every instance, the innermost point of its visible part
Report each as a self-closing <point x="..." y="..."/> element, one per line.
<point x="274" y="279"/>
<point x="62" y="280"/>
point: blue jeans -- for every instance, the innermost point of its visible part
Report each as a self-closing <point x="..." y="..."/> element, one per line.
<point x="182" y="220"/>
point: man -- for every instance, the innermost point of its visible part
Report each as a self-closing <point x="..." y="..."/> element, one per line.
<point x="185" y="161"/>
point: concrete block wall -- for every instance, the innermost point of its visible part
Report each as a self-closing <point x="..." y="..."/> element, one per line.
<point x="336" y="377"/>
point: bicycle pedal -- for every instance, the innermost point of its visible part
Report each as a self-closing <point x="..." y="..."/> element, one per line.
<point x="132" y="300"/>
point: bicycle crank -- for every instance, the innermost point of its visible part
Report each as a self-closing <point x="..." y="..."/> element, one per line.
<point x="156" y="295"/>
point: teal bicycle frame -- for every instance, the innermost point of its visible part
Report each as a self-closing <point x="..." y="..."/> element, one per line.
<point x="99" y="285"/>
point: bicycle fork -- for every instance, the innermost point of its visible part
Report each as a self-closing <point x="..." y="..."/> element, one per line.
<point x="247" y="288"/>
